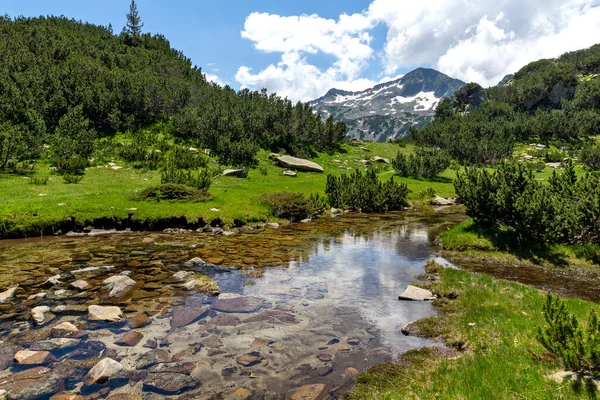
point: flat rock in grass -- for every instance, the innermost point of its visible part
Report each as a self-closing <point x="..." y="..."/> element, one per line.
<point x="186" y="315"/>
<point x="153" y="357"/>
<point x="413" y="293"/>
<point x="64" y="330"/>
<point x="103" y="371"/>
<point x="169" y="383"/>
<point x="440" y="201"/>
<point x="291" y="174"/>
<point x="32" y="357"/>
<point x="8" y="295"/>
<point x="382" y="160"/>
<point x="570" y="376"/>
<point x="130" y="339"/>
<point x="242" y="304"/>
<point x="105" y="313"/>
<point x="299" y="164"/>
<point x="238" y="173"/>
<point x="118" y="285"/>
<point x="310" y="392"/>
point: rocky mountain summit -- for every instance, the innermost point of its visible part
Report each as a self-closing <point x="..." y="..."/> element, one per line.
<point x="388" y="110"/>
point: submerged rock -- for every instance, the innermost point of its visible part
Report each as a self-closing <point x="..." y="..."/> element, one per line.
<point x="184" y="315"/>
<point x="105" y="313"/>
<point x="138" y="321"/>
<point x="250" y="359"/>
<point x="92" y="271"/>
<point x="33" y="357"/>
<point x="80" y="285"/>
<point x="310" y="392"/>
<point x="130" y="339"/>
<point x="242" y="304"/>
<point x="103" y="371"/>
<point x="55" y="344"/>
<point x="153" y="357"/>
<point x="169" y="383"/>
<point x="64" y="330"/>
<point x="40" y="314"/>
<point x="413" y="293"/>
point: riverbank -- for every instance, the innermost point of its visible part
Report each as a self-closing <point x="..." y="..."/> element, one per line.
<point x="105" y="198"/>
<point x="490" y="326"/>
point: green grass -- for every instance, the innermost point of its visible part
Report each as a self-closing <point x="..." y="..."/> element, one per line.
<point x="104" y="192"/>
<point x="496" y="321"/>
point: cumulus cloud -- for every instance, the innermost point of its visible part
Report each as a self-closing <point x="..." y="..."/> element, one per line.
<point x="473" y="40"/>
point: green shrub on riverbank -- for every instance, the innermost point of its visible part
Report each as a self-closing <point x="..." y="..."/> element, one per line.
<point x="567" y="210"/>
<point x="423" y="164"/>
<point x="494" y="321"/>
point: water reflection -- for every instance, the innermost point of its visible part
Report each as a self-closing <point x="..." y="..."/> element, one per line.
<point x="303" y="304"/>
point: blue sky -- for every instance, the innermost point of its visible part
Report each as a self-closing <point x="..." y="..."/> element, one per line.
<point x="302" y="49"/>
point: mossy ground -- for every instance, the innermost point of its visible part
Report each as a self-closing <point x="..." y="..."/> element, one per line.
<point x="493" y="322"/>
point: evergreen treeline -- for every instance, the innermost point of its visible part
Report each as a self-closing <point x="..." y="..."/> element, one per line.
<point x="53" y="67"/>
<point x="547" y="101"/>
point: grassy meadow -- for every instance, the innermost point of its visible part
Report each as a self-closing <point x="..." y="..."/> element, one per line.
<point x="492" y="325"/>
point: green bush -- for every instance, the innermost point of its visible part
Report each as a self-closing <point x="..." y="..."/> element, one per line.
<point x="590" y="157"/>
<point x="39" y="180"/>
<point x="365" y="192"/>
<point x="567" y="210"/>
<point x="576" y="344"/>
<point x="200" y="179"/>
<point x="72" y="144"/>
<point x="427" y="194"/>
<point x="184" y="158"/>
<point x="425" y="164"/>
<point x="170" y="191"/>
<point x="72" y="179"/>
<point x="293" y="205"/>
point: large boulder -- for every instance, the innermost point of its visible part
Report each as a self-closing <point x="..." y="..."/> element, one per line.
<point x="238" y="173"/>
<point x="299" y="164"/>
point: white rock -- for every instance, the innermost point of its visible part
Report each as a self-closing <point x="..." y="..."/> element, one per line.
<point x="273" y="225"/>
<point x="37" y="296"/>
<point x="194" y="262"/>
<point x="103" y="371"/>
<point x="118" y="285"/>
<point x="116" y="168"/>
<point x="181" y="275"/>
<point x="80" y="284"/>
<point x="414" y="293"/>
<point x="7" y="295"/>
<point x="105" y="313"/>
<point x="38" y="314"/>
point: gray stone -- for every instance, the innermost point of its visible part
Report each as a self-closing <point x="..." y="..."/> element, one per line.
<point x="238" y="173"/>
<point x="382" y="160"/>
<point x="169" y="383"/>
<point x="102" y="372"/>
<point x="181" y="275"/>
<point x="290" y="173"/>
<point x="242" y="304"/>
<point x="194" y="262"/>
<point x="299" y="164"/>
<point x="440" y="201"/>
<point x="118" y="285"/>
<point x="92" y="271"/>
<point x="55" y="344"/>
<point x="413" y="293"/>
<point x="51" y="282"/>
<point x="153" y="357"/>
<point x="184" y="315"/>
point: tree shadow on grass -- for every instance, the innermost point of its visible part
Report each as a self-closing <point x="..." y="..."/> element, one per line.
<point x="507" y="240"/>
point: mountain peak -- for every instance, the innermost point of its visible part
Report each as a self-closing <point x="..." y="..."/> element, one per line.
<point x="389" y="109"/>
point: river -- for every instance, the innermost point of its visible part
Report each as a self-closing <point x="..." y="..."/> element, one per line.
<point x="302" y="304"/>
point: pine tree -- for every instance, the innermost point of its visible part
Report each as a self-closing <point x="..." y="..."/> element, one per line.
<point x="134" y="21"/>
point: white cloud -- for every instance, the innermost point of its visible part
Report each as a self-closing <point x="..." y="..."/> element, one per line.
<point x="214" y="78"/>
<point x="473" y="40"/>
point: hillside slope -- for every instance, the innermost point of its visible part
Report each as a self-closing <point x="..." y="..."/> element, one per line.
<point x="388" y="110"/>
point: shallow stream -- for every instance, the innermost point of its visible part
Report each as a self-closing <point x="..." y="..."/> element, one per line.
<point x="302" y="304"/>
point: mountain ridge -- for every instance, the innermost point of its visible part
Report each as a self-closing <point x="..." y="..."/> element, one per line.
<point x="387" y="110"/>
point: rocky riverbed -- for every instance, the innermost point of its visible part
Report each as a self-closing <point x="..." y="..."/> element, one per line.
<point x="296" y="311"/>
